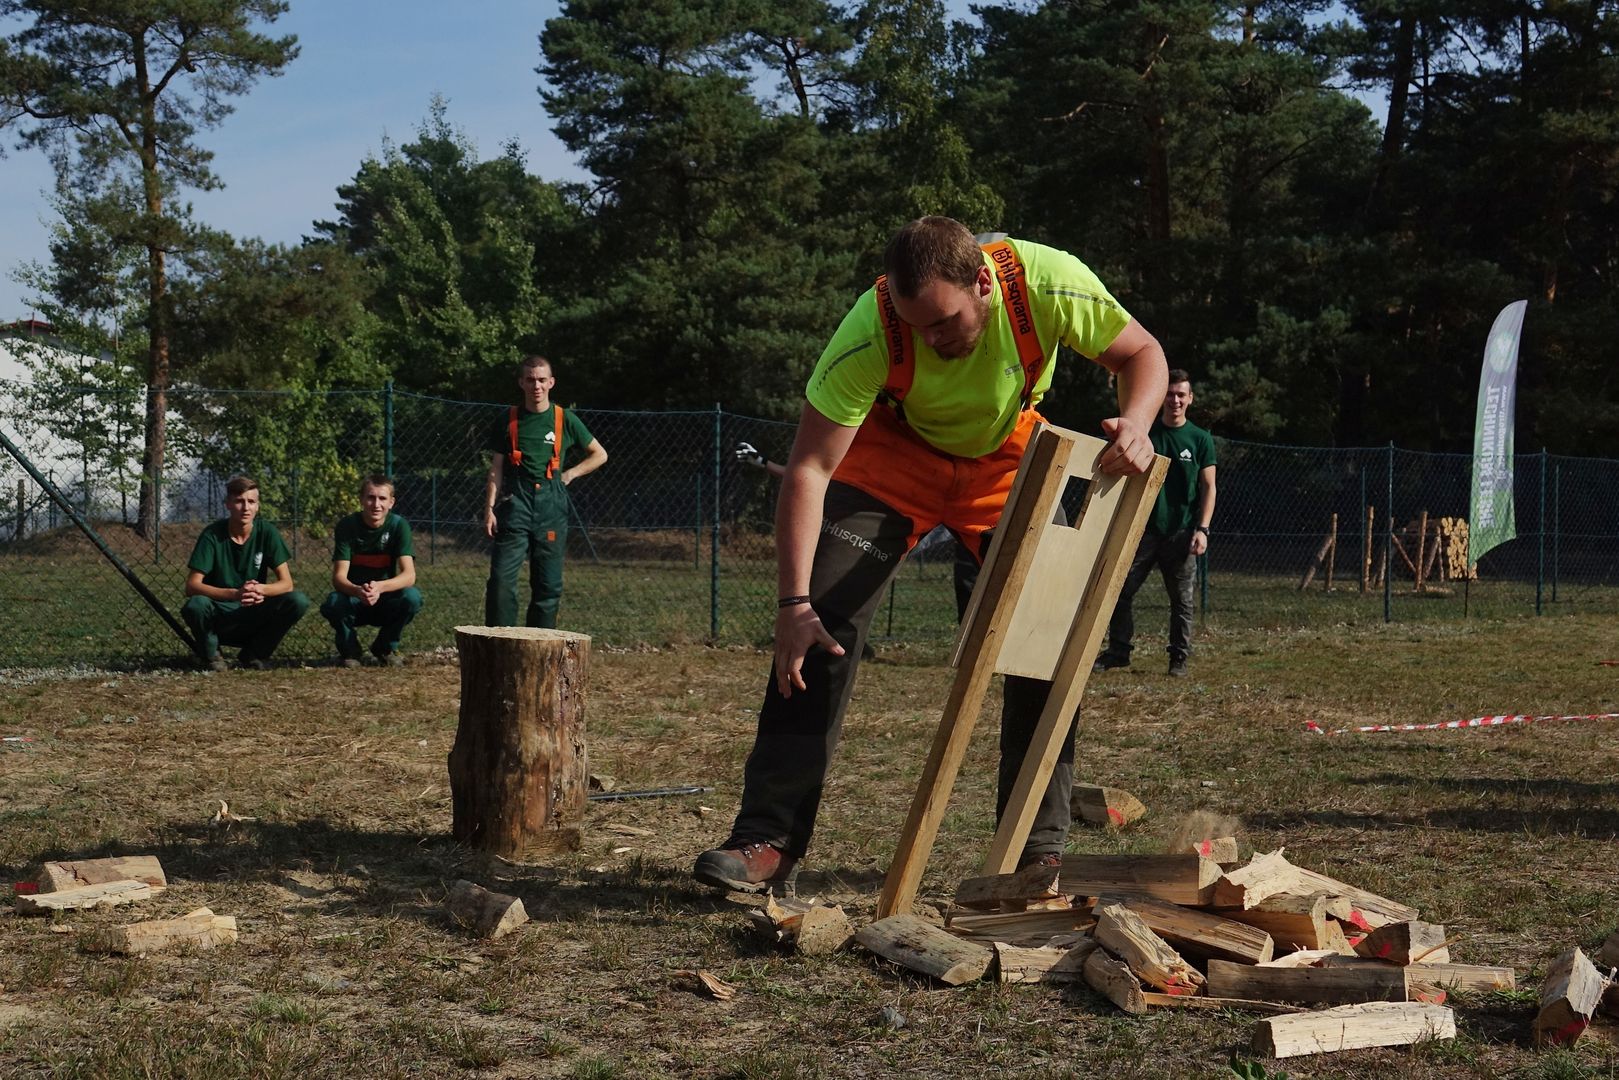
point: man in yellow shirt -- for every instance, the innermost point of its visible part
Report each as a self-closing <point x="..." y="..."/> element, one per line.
<point x="917" y="415"/>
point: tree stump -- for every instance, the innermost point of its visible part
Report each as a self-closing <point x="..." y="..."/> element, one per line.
<point x="519" y="782"/>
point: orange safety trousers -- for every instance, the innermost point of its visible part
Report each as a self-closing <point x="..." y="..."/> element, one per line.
<point x="891" y="462"/>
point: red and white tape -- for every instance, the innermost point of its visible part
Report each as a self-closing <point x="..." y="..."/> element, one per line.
<point x="1447" y="725"/>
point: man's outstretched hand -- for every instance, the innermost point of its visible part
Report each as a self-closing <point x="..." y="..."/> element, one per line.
<point x="746" y="454"/>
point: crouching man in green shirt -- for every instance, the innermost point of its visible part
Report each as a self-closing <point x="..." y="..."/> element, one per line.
<point x="373" y="576"/>
<point x="240" y="591"/>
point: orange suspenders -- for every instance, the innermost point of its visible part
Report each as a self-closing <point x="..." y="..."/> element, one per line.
<point x="1015" y="299"/>
<point x="515" y="456"/>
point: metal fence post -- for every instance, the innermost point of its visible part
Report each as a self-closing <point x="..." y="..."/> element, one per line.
<point x="1388" y="543"/>
<point x="697" y="526"/>
<point x="432" y="536"/>
<point x="1540" y="558"/>
<point x="294" y="513"/>
<point x="388" y="427"/>
<point x="1557" y="524"/>
<point x="714" y="548"/>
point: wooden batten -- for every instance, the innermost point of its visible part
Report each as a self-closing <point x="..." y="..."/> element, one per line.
<point x="1444" y="976"/>
<point x="1113" y="979"/>
<point x="1105" y="806"/>
<point x="925" y="948"/>
<point x="1020" y="927"/>
<point x="1122" y="932"/>
<point x="1200" y="935"/>
<point x="1175" y="879"/>
<point x="1033" y="882"/>
<point x="106" y="895"/>
<point x="1210" y="1004"/>
<point x="1046" y="964"/>
<point x="1324" y="986"/>
<point x="1353" y="1027"/>
<point x="1405" y="943"/>
<point x="200" y="929"/>
<point x="1303" y="958"/>
<point x="57" y="876"/>
<point x="1570" y="994"/>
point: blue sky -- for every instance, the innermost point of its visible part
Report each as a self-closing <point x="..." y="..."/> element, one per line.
<point x="368" y="69"/>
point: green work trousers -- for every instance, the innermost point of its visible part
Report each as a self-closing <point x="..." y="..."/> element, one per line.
<point x="257" y="628"/>
<point x="530" y="524"/>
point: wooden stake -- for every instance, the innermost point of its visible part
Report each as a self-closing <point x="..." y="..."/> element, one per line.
<point x="923" y="947"/>
<point x="1332" y="553"/>
<point x="1316" y="562"/>
<point x="1015" y="542"/>
<point x="56" y="876"/>
<point x="518" y="779"/>
<point x="1400" y="548"/>
<point x="1352" y="1027"/>
<point x="1570" y="994"/>
<point x="1366" y="558"/>
<point x="200" y="929"/>
<point x="1421" y="565"/>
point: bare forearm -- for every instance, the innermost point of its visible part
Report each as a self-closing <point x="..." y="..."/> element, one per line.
<point x="594" y="459"/>
<point x="1143" y="381"/>
<point x="1205" y="506"/>
<point x="798" y="528"/>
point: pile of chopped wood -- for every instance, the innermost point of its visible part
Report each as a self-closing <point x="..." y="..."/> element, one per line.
<point x="1336" y="967"/>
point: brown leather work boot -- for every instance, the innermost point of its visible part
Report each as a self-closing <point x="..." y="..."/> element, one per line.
<point x="751" y="867"/>
<point x="1044" y="858"/>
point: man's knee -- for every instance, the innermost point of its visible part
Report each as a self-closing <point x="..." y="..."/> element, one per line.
<point x="336" y="607"/>
<point x="410" y="598"/>
<point x="197" y="608"/>
<point x="296" y="603"/>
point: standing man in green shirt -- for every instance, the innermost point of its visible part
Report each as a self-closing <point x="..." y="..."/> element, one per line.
<point x="373" y="576"/>
<point x="240" y="590"/>
<point x="1177" y="533"/>
<point x="526" y="497"/>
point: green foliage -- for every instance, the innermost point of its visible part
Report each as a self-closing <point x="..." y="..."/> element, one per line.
<point x="1244" y="1069"/>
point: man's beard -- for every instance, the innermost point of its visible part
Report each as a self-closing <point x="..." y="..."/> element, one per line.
<point x="965" y="348"/>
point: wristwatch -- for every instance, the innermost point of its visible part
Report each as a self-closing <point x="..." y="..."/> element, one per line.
<point x="1204" y="529"/>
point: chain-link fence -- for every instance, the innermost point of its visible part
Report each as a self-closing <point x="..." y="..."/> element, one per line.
<point x="671" y="540"/>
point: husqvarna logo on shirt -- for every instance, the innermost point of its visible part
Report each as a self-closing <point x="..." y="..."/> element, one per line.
<point x="258" y="560"/>
<point x="551" y="437"/>
<point x="384" y="538"/>
<point x="1186" y="454"/>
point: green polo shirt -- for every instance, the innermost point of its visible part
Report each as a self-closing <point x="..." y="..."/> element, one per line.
<point x="372" y="554"/>
<point x="225" y="564"/>
<point x="1189" y="449"/>
<point x="536" y="435"/>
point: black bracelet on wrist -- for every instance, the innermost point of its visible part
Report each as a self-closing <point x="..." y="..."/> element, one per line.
<point x="792" y="601"/>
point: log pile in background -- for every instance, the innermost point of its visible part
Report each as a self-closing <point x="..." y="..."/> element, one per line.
<point x="1337" y="966"/>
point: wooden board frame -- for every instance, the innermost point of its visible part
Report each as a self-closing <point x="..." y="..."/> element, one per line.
<point x="1078" y="572"/>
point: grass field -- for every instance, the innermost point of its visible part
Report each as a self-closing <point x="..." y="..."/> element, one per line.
<point x="344" y="967"/>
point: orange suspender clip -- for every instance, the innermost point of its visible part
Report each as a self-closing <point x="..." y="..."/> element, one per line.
<point x="1015" y="299"/>
<point x="515" y="456"/>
